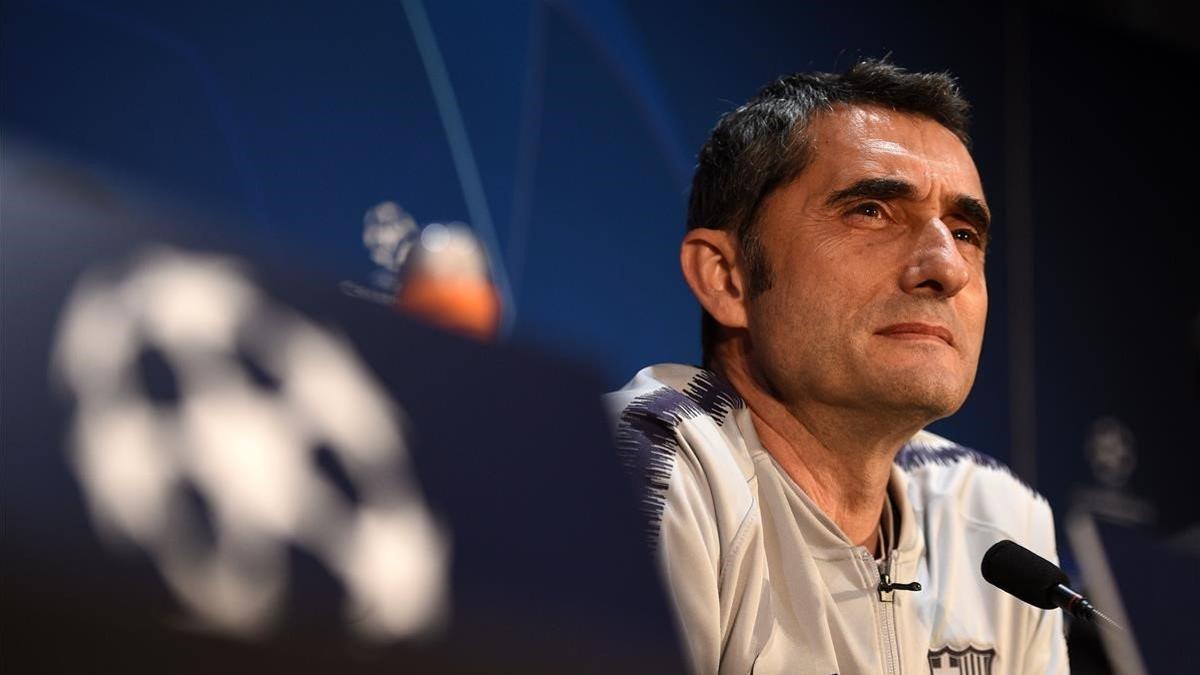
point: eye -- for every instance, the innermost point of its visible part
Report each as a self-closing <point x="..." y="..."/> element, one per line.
<point x="869" y="215"/>
<point x="868" y="209"/>
<point x="969" y="235"/>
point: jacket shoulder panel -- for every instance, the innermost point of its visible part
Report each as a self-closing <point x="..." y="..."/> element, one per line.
<point x="978" y="487"/>
<point x="648" y="415"/>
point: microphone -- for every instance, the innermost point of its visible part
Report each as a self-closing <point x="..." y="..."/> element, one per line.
<point x="1018" y="571"/>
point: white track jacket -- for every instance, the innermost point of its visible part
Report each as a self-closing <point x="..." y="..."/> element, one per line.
<point x="763" y="582"/>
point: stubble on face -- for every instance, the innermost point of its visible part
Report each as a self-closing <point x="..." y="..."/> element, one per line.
<point x="843" y="272"/>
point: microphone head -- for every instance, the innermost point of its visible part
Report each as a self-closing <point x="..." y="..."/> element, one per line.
<point x="1015" y="569"/>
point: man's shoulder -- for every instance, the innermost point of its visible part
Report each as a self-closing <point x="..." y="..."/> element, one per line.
<point x="946" y="477"/>
<point x="667" y="403"/>
<point x="674" y="422"/>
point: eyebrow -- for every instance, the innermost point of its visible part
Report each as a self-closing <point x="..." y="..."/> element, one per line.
<point x="882" y="189"/>
<point x="885" y="189"/>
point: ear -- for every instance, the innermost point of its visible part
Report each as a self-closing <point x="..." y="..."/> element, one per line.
<point x="710" y="267"/>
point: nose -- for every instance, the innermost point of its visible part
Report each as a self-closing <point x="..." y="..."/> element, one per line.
<point x="937" y="268"/>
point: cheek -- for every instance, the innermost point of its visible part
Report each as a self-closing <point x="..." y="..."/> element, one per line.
<point x="814" y="297"/>
<point x="981" y="301"/>
<point x="799" y="316"/>
<point x="974" y="315"/>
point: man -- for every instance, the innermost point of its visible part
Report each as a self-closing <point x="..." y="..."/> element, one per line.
<point x="836" y="239"/>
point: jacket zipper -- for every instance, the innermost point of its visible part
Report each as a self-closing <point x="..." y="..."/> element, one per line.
<point x="887" y="615"/>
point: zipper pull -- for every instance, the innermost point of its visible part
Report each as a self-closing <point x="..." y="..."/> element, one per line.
<point x="886" y="586"/>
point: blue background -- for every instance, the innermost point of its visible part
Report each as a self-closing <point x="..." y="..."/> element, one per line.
<point x="582" y="119"/>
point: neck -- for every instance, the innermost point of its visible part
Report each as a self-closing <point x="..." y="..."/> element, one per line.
<point x="841" y="458"/>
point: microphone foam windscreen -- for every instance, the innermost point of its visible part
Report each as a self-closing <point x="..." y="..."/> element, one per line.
<point x="1015" y="569"/>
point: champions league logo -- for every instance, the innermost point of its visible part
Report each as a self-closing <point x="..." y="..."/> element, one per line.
<point x="389" y="234"/>
<point x="255" y="393"/>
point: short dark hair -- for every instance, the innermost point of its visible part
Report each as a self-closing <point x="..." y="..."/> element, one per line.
<point x="763" y="145"/>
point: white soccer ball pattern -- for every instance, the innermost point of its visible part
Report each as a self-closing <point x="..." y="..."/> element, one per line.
<point x="247" y="450"/>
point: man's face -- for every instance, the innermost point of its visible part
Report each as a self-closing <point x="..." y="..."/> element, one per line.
<point x="876" y="244"/>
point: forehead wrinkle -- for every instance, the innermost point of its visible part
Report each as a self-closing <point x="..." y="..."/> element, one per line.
<point x="873" y="127"/>
<point x="886" y="147"/>
<point x="879" y="151"/>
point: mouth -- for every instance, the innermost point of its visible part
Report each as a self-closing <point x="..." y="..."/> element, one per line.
<point x="918" y="331"/>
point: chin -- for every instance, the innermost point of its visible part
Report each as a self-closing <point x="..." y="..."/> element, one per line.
<point x="926" y="395"/>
